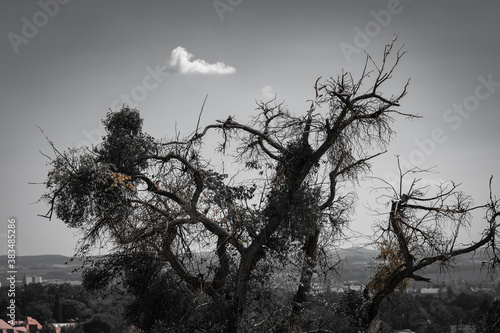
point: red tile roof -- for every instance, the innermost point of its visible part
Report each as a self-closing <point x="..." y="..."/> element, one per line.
<point x="5" y="326"/>
<point x="32" y="321"/>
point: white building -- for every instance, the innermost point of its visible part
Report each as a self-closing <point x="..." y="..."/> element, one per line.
<point x="429" y="291"/>
<point x="31" y="279"/>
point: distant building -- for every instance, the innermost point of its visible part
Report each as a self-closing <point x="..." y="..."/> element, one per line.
<point x="353" y="285"/>
<point x="59" y="326"/>
<point x="27" y="279"/>
<point x="30" y="325"/>
<point x="336" y="289"/>
<point x="59" y="281"/>
<point x="429" y="291"/>
<point x="33" y="325"/>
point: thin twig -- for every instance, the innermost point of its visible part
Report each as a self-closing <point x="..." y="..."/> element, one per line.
<point x="199" y="116"/>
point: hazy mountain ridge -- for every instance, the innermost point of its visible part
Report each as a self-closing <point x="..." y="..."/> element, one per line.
<point x="37" y="260"/>
<point x="49" y="267"/>
<point x="358" y="263"/>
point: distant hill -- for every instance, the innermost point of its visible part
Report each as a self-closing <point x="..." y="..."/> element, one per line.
<point x="49" y="267"/>
<point x="357" y="254"/>
<point x="38" y="260"/>
<point x="358" y="264"/>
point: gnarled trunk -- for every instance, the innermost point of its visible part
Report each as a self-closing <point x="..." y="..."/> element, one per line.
<point x="308" y="267"/>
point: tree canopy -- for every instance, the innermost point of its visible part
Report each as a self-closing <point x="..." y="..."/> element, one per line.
<point x="224" y="233"/>
<point x="423" y="228"/>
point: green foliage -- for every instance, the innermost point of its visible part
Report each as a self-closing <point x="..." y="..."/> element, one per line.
<point x="159" y="203"/>
<point x="57" y="309"/>
<point x="39" y="301"/>
<point x="73" y="182"/>
<point x="99" y="323"/>
<point x="72" y="329"/>
<point x="83" y="185"/>
<point x="157" y="293"/>
<point x="426" y="313"/>
<point x="491" y="321"/>
<point x="40" y="310"/>
<point x="93" y="189"/>
<point x="48" y="329"/>
<point x="295" y="203"/>
<point x="353" y="307"/>
<point x="299" y="215"/>
<point x="125" y="146"/>
<point x="72" y="308"/>
<point x="293" y="161"/>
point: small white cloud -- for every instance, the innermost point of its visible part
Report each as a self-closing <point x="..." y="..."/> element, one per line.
<point x="180" y="63"/>
<point x="268" y="92"/>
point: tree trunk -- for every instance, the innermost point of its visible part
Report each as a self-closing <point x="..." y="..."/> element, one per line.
<point x="308" y="266"/>
<point x="390" y="286"/>
<point x="240" y="293"/>
<point x="374" y="325"/>
<point x="252" y="256"/>
<point x="247" y="263"/>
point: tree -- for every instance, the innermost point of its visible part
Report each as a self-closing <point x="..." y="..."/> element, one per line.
<point x="72" y="309"/>
<point x="155" y="290"/>
<point x="36" y="301"/>
<point x="491" y="322"/>
<point x="57" y="310"/>
<point x="98" y="324"/>
<point x="282" y="206"/>
<point x="352" y="306"/>
<point x="423" y="228"/>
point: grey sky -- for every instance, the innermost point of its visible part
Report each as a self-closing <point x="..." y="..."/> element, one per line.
<point x="86" y="54"/>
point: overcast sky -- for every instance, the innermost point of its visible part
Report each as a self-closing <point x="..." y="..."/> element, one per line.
<point x="64" y="64"/>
